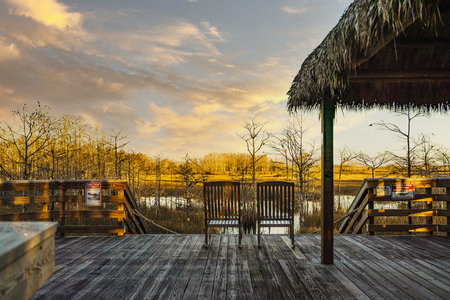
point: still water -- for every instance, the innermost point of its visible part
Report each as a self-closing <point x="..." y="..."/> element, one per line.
<point x="174" y="202"/>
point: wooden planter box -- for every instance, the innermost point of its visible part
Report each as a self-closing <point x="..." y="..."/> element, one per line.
<point x="27" y="257"/>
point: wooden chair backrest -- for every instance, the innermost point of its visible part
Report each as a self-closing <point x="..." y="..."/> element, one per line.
<point x="222" y="200"/>
<point x="275" y="200"/>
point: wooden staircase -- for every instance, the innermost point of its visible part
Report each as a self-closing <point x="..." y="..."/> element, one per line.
<point x="366" y="210"/>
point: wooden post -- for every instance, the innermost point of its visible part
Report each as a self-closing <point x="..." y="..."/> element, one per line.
<point x="62" y="220"/>
<point x="409" y="218"/>
<point x="52" y="206"/>
<point x="430" y="219"/>
<point x="447" y="203"/>
<point x="120" y="208"/>
<point x="45" y="205"/>
<point x="370" y="205"/>
<point x="327" y="179"/>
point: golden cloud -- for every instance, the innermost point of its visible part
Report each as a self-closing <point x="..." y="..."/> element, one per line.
<point x="8" y="52"/>
<point x="47" y="12"/>
<point x="108" y="86"/>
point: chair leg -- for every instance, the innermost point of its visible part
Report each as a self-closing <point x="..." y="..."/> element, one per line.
<point x="292" y="236"/>
<point x="240" y="236"/>
<point x="259" y="236"/>
<point x="206" y="237"/>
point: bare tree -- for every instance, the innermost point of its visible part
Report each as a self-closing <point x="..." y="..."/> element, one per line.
<point x="28" y="137"/>
<point x="406" y="161"/>
<point x="345" y="155"/>
<point x="290" y="144"/>
<point x="159" y="167"/>
<point x="427" y="155"/>
<point x="254" y="141"/>
<point x="279" y="144"/>
<point x="375" y="161"/>
<point x="445" y="161"/>
<point x="119" y="153"/>
<point x="191" y="174"/>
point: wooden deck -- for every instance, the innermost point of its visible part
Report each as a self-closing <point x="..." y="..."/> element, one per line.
<point x="179" y="267"/>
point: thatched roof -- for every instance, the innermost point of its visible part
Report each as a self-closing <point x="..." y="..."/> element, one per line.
<point x="387" y="53"/>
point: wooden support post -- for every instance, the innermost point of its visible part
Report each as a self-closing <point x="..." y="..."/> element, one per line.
<point x="447" y="203"/>
<point x="448" y="218"/>
<point x="409" y="218"/>
<point x="62" y="221"/>
<point x="44" y="205"/>
<point x="328" y="108"/>
<point x="120" y="207"/>
<point x="52" y="206"/>
<point x="430" y="218"/>
<point x="371" y="220"/>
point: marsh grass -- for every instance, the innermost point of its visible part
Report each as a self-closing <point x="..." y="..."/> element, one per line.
<point x="178" y="219"/>
<point x="175" y="220"/>
<point x="312" y="222"/>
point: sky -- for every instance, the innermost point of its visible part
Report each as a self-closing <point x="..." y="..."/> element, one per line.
<point x="182" y="76"/>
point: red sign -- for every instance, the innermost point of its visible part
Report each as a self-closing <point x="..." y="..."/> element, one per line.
<point x="93" y="194"/>
<point x="403" y="191"/>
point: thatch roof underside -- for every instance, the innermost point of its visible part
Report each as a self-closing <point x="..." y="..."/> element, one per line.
<point x="382" y="53"/>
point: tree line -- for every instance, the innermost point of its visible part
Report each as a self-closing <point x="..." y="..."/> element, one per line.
<point x="38" y="145"/>
<point x="35" y="144"/>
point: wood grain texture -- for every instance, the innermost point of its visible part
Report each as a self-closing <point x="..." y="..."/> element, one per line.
<point x="424" y="220"/>
<point x="60" y="213"/>
<point x="179" y="267"/>
<point x="125" y="215"/>
<point x="57" y="198"/>
<point x="27" y="258"/>
<point x="21" y="279"/>
<point x="23" y="185"/>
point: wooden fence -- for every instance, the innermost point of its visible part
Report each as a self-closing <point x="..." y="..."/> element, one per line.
<point x="422" y="205"/>
<point x="64" y="201"/>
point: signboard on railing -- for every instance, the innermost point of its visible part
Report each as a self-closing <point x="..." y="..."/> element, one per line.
<point x="93" y="193"/>
<point x="404" y="191"/>
<point x="383" y="191"/>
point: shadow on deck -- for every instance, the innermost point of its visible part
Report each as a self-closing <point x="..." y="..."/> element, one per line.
<point x="179" y="267"/>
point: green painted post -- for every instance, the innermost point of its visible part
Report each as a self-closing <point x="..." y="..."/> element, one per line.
<point x="328" y="110"/>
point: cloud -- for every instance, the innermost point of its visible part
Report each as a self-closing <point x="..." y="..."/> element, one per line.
<point x="213" y="31"/>
<point x="8" y="52"/>
<point x="47" y="12"/>
<point x="300" y="10"/>
<point x="32" y="23"/>
<point x="206" y="127"/>
<point x="215" y="61"/>
<point x="195" y="94"/>
<point x="168" y="43"/>
<point x="292" y="10"/>
<point x="192" y="0"/>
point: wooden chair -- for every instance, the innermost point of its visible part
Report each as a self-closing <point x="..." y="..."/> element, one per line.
<point x="275" y="200"/>
<point x="222" y="202"/>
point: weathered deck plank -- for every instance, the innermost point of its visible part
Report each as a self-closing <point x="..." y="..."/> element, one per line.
<point x="180" y="267"/>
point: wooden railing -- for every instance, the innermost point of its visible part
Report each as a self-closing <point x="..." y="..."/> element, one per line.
<point x="64" y="201"/>
<point x="428" y="211"/>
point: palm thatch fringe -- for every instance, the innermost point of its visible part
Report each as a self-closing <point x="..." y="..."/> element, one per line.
<point x="365" y="28"/>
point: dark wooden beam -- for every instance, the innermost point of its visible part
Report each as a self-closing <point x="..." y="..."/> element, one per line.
<point x="401" y="76"/>
<point x="408" y="227"/>
<point x="328" y="110"/>
<point x="388" y="37"/>
<point x="427" y="44"/>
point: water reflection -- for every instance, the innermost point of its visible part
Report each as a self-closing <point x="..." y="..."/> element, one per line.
<point x="309" y="207"/>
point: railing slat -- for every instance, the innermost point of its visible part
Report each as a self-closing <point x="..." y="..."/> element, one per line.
<point x="428" y="190"/>
<point x="58" y="198"/>
<point x="125" y="212"/>
<point x="23" y="216"/>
